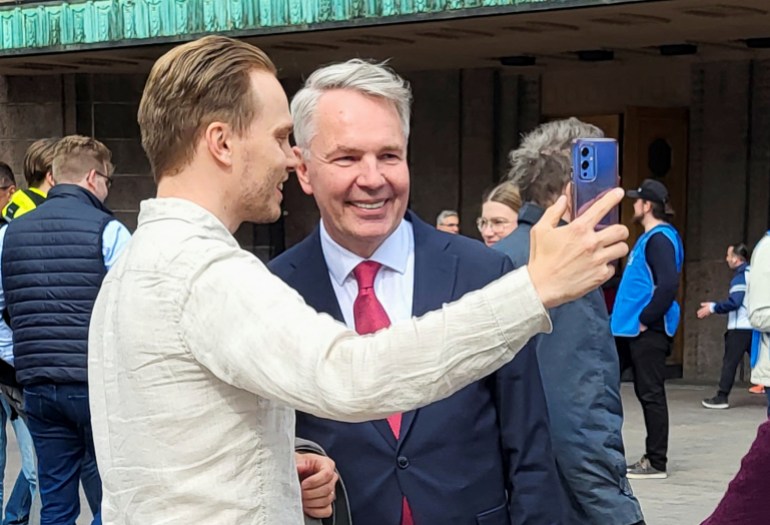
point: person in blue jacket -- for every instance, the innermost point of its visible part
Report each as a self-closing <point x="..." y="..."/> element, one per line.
<point x="739" y="332"/>
<point x="646" y="317"/>
<point x="578" y="360"/>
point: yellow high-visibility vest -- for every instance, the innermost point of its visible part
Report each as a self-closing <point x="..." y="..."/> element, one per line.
<point x="23" y="201"/>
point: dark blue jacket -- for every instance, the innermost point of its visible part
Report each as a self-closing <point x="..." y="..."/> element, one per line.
<point x="579" y="367"/>
<point x="53" y="267"/>
<point x="455" y="459"/>
<point x="735" y="304"/>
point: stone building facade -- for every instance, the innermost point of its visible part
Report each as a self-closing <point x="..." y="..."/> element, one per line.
<point x="467" y="115"/>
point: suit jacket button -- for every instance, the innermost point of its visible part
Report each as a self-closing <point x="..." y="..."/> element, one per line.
<point x="403" y="462"/>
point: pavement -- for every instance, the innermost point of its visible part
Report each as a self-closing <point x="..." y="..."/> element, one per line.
<point x="705" y="449"/>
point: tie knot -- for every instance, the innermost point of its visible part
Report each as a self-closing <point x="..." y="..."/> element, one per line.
<point x="365" y="273"/>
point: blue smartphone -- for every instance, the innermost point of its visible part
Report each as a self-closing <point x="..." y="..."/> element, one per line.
<point x="594" y="173"/>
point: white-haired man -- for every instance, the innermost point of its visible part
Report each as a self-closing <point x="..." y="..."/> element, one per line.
<point x="448" y="221"/>
<point x="481" y="453"/>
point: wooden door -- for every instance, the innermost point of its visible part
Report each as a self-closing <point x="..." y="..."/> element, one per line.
<point x="655" y="146"/>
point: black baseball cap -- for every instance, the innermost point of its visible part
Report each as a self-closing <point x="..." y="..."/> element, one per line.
<point x="650" y="190"/>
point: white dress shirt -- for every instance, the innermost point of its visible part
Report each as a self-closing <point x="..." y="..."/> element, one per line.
<point x="198" y="356"/>
<point x="394" y="284"/>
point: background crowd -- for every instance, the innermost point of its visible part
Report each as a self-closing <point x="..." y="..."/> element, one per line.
<point x="162" y="372"/>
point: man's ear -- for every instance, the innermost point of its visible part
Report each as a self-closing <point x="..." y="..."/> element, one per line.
<point x="90" y="180"/>
<point x="218" y="137"/>
<point x="570" y="201"/>
<point x="302" y="171"/>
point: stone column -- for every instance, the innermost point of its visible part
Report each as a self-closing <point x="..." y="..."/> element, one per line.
<point x="716" y="202"/>
<point x="31" y="107"/>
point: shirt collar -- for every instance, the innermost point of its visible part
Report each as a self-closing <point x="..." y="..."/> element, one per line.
<point x="393" y="253"/>
<point x="173" y="208"/>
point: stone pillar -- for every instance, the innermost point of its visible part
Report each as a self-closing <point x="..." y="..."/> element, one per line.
<point x="477" y="152"/>
<point x="435" y="144"/>
<point x="716" y="200"/>
<point x="106" y="108"/>
<point x="31" y="107"/>
<point x="758" y="187"/>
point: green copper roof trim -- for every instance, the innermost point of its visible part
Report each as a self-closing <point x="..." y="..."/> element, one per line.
<point x="37" y="27"/>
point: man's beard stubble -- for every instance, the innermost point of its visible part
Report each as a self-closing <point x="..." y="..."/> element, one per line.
<point x="258" y="199"/>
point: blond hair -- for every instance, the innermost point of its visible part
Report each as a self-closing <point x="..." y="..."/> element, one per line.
<point x="190" y="87"/>
<point x="75" y="155"/>
<point x="505" y="193"/>
<point x="38" y="160"/>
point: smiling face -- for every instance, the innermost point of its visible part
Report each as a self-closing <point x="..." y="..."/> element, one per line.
<point x="356" y="169"/>
<point x="733" y="260"/>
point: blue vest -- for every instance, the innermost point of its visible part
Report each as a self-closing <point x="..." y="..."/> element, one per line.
<point x="637" y="287"/>
<point x="53" y="267"/>
<point x="756" y="342"/>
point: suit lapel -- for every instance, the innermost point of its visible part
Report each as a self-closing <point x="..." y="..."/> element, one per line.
<point x="312" y="279"/>
<point x="435" y="277"/>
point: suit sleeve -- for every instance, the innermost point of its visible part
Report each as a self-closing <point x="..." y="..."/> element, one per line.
<point x="526" y="440"/>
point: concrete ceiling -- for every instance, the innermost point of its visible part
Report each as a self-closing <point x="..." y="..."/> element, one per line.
<point x="633" y="32"/>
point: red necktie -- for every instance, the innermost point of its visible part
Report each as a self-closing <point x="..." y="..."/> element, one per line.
<point x="370" y="316"/>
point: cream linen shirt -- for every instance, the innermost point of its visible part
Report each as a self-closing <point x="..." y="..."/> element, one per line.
<point x="198" y="356"/>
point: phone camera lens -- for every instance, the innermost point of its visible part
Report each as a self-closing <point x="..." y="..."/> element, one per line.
<point x="584" y="152"/>
<point x="584" y="165"/>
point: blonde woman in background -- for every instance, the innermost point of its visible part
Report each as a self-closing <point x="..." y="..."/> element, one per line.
<point x="499" y="212"/>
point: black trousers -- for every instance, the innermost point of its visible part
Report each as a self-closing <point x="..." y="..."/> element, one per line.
<point x="737" y="343"/>
<point x="646" y="355"/>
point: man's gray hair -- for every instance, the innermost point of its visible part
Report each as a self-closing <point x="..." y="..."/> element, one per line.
<point x="372" y="79"/>
<point x="541" y="177"/>
<point x="445" y="214"/>
<point x="557" y="135"/>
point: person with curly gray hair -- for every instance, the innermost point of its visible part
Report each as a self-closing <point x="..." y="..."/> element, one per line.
<point x="584" y="404"/>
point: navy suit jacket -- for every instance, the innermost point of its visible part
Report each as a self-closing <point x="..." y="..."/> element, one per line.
<point x="456" y="460"/>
